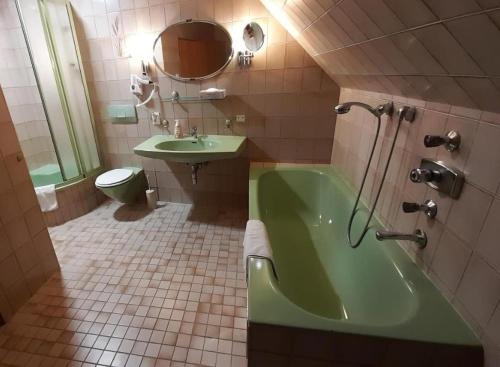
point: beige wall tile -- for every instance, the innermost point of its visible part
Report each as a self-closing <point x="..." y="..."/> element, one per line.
<point x="20" y="219"/>
<point x="449" y="8"/>
<point x="483" y="165"/>
<point x="10" y="208"/>
<point x="479" y="290"/>
<point x="488" y="239"/>
<point x="468" y="213"/>
<point x="450" y="260"/>
<point x="493" y="328"/>
<point x="10" y="272"/>
<point x="358" y="42"/>
<point x="18" y="294"/>
<point x="476" y="35"/>
<point x="5" y="245"/>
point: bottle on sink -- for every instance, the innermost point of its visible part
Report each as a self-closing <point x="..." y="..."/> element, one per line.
<point x="178" y="130"/>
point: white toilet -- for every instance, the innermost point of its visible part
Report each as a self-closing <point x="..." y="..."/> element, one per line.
<point x="122" y="184"/>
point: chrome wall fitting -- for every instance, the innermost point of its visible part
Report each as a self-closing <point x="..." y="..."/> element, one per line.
<point x="419" y="237"/>
<point x="418" y="175"/>
<point x="175" y="96"/>
<point x="194" y="132"/>
<point x="407" y="113"/>
<point x="378" y="111"/>
<point x="429" y="208"/>
<point x="245" y="58"/>
<point x="439" y="176"/>
<point x="451" y="140"/>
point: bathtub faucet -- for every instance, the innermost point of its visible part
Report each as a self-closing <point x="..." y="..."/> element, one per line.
<point x="419" y="237"/>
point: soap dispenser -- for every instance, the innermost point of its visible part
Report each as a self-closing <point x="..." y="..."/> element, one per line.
<point x="178" y="130"/>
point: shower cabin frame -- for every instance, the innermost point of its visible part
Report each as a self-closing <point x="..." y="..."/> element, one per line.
<point x="55" y="61"/>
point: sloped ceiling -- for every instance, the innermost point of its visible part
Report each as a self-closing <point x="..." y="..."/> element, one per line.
<point x="445" y="51"/>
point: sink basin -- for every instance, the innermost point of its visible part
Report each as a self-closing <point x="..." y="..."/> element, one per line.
<point x="190" y="150"/>
<point x="191" y="145"/>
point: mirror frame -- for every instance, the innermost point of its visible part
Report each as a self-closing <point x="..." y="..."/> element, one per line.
<point x="184" y="79"/>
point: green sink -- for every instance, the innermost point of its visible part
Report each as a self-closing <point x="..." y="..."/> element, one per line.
<point x="191" y="150"/>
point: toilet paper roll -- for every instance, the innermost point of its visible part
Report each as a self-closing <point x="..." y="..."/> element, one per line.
<point x="151" y="198"/>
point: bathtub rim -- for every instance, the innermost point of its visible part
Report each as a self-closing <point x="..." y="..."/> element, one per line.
<point x="435" y="321"/>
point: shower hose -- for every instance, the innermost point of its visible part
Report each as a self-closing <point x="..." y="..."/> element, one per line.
<point x="355" y="209"/>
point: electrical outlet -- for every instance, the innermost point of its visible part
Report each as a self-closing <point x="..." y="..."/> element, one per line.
<point x="240" y="118"/>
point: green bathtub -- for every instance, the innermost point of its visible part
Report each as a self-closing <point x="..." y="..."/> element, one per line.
<point x="321" y="283"/>
<point x="46" y="175"/>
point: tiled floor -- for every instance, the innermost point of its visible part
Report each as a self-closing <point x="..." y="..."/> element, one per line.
<point x="138" y="288"/>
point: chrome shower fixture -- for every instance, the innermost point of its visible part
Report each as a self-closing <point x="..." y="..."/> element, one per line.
<point x="418" y="175"/>
<point x="408" y="113"/>
<point x="405" y="113"/>
<point x="419" y="237"/>
<point x="439" y="176"/>
<point x="429" y="208"/>
<point x="451" y="141"/>
<point x="386" y="108"/>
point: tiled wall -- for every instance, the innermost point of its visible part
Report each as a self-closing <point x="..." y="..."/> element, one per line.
<point x="463" y="253"/>
<point x="27" y="257"/>
<point x="286" y="97"/>
<point x="22" y="95"/>
<point x="437" y="50"/>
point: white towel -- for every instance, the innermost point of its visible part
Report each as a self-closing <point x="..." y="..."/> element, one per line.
<point x="256" y="242"/>
<point x="213" y="93"/>
<point x="47" y="198"/>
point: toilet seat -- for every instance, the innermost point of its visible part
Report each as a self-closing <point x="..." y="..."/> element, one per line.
<point x="114" y="177"/>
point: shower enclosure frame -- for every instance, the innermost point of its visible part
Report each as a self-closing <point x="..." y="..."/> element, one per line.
<point x="83" y="171"/>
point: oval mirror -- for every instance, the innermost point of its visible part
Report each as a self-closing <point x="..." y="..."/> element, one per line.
<point x="193" y="49"/>
<point x="253" y="36"/>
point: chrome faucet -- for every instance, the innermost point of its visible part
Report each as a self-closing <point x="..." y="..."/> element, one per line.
<point x="419" y="237"/>
<point x="429" y="207"/>
<point x="424" y="175"/>
<point x="194" y="132"/>
<point x="451" y="140"/>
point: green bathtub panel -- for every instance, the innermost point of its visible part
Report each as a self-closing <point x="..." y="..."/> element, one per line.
<point x="322" y="283"/>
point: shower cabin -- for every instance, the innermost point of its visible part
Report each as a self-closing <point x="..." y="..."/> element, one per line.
<point x="42" y="77"/>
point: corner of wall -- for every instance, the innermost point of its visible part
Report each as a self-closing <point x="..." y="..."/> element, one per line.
<point x="27" y="257"/>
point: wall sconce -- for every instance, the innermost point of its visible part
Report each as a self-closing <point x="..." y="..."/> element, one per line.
<point x="253" y="37"/>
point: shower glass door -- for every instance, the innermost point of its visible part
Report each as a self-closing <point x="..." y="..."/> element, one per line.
<point x="50" y="95"/>
<point x="50" y="43"/>
<point x="58" y="17"/>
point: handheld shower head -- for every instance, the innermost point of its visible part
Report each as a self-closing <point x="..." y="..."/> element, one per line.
<point x="378" y="111"/>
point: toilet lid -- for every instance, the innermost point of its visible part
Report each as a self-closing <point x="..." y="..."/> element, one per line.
<point x="114" y="177"/>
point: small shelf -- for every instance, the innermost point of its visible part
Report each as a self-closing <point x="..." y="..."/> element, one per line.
<point x="176" y="98"/>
